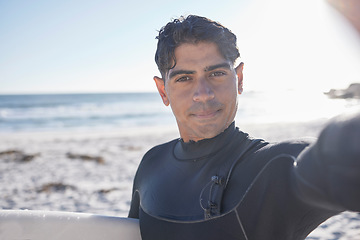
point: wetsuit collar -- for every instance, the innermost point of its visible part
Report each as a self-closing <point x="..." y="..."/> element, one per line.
<point x="194" y="150"/>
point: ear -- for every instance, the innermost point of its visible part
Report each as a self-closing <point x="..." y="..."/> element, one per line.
<point x="239" y="73"/>
<point x="160" y="84"/>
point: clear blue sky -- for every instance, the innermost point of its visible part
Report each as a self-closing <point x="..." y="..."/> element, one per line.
<point x="108" y="46"/>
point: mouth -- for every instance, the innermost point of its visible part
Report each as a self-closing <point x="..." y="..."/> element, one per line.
<point x="204" y="115"/>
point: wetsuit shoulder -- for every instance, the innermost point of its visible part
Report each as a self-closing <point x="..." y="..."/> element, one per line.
<point x="143" y="171"/>
<point x="154" y="157"/>
<point x="290" y="147"/>
<point x="159" y="149"/>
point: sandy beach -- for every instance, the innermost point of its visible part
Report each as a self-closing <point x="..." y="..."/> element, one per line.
<point x="93" y="171"/>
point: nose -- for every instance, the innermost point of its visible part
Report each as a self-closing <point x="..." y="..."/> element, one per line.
<point x="203" y="91"/>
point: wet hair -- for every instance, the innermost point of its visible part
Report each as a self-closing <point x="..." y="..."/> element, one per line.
<point x="192" y="29"/>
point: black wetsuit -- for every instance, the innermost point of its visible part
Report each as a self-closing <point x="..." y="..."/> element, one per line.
<point x="236" y="187"/>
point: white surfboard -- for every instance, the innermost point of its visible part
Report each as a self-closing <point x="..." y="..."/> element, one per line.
<point x="48" y="225"/>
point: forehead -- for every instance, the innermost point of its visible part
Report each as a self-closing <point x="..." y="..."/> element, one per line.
<point x="192" y="57"/>
<point x="202" y="52"/>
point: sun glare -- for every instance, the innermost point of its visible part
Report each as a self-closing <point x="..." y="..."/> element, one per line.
<point x="297" y="45"/>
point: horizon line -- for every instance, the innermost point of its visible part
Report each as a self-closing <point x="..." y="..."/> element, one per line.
<point x="73" y="92"/>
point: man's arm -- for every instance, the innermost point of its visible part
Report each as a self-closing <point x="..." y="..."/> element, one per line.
<point x="134" y="206"/>
<point x="328" y="173"/>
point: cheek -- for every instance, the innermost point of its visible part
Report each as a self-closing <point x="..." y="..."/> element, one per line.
<point x="228" y="92"/>
<point x="179" y="102"/>
<point x="229" y="97"/>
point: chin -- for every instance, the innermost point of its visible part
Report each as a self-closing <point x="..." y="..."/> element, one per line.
<point x="210" y="130"/>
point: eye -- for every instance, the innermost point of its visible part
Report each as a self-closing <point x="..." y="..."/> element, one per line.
<point x="183" y="79"/>
<point x="217" y="74"/>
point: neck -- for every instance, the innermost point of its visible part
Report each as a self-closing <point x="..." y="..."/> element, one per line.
<point x="195" y="149"/>
<point x="201" y="133"/>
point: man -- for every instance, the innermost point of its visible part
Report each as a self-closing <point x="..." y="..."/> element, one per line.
<point x="216" y="182"/>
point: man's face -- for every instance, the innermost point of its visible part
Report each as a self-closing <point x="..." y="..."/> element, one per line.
<point x="202" y="90"/>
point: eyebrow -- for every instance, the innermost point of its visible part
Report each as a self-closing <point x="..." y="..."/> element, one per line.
<point x="220" y="65"/>
<point x="206" y="69"/>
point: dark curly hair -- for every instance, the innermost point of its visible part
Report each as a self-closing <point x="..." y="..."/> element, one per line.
<point x="192" y="29"/>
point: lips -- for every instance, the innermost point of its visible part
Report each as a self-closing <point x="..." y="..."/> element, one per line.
<point x="205" y="111"/>
<point x="206" y="114"/>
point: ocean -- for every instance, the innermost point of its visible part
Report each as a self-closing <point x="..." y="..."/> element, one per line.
<point x="107" y="111"/>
